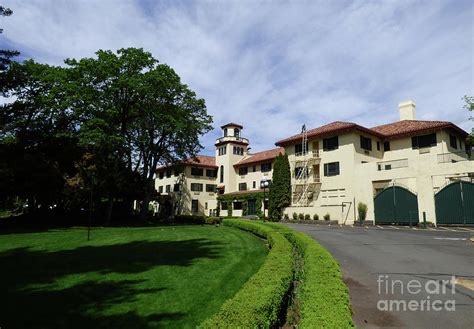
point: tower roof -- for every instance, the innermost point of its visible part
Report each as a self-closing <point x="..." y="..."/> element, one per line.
<point x="231" y="124"/>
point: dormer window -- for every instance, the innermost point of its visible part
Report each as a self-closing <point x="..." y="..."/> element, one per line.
<point x="236" y="132"/>
<point x="225" y="132"/>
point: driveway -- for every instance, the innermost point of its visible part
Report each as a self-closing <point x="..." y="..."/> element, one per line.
<point x="402" y="277"/>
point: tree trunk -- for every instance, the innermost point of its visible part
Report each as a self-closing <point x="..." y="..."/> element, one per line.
<point x="108" y="214"/>
<point x="144" y="206"/>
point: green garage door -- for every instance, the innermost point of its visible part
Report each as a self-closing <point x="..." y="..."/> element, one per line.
<point x="396" y="205"/>
<point x="455" y="204"/>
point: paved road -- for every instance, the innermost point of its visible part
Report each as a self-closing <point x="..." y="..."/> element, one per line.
<point x="378" y="264"/>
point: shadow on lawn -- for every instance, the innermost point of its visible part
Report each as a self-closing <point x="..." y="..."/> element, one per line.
<point x="83" y="305"/>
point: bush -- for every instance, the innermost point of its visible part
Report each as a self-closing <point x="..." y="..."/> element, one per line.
<point x="327" y="217"/>
<point x="362" y="210"/>
<point x="307" y="217"/>
<point x="213" y="220"/>
<point x="190" y="219"/>
<point x="315" y="217"/>
<point x="259" y="302"/>
<point x="301" y="216"/>
<point x="286" y="217"/>
<point x="295" y="216"/>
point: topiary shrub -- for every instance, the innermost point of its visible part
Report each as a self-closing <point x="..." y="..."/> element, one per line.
<point x="315" y="217"/>
<point x="362" y="210"/>
<point x="327" y="216"/>
<point x="286" y="217"/>
<point x="307" y="217"/>
<point x="295" y="216"/>
<point x="301" y="216"/>
<point x="213" y="220"/>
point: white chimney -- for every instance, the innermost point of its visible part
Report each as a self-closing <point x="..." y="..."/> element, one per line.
<point x="407" y="110"/>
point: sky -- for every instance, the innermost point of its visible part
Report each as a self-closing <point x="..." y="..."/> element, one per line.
<point x="273" y="66"/>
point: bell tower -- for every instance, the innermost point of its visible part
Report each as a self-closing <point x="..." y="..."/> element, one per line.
<point x="230" y="149"/>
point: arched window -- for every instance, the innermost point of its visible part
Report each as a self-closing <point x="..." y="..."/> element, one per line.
<point x="222" y="174"/>
<point x="225" y="132"/>
<point x="236" y="132"/>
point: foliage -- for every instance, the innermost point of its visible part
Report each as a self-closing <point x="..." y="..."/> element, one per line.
<point x="301" y="216"/>
<point x="213" y="220"/>
<point x="5" y="55"/>
<point x="362" y="210"/>
<point x="327" y="216"/>
<point x="229" y="199"/>
<point x="295" y="216"/>
<point x="132" y="273"/>
<point x="286" y="217"/>
<point x="307" y="217"/>
<point x="322" y="296"/>
<point x="279" y="196"/>
<point x="315" y="217"/>
<point x="469" y="105"/>
<point x="259" y="302"/>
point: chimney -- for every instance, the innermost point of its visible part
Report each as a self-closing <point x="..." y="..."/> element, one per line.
<point x="407" y="110"/>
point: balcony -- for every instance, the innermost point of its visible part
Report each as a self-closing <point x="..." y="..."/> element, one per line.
<point x="232" y="139"/>
<point x="312" y="158"/>
<point x="454" y="157"/>
<point x="394" y="164"/>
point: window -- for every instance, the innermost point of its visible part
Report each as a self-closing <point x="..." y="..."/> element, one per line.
<point x="423" y="141"/>
<point x="386" y="146"/>
<point x="254" y="184"/>
<point x="453" y="141"/>
<point x="162" y="174"/>
<point x="160" y="189"/>
<point x="236" y="132"/>
<point x="211" y="172"/>
<point x="194" y="206"/>
<point x="222" y="150"/>
<point x="331" y="143"/>
<point x="243" y="171"/>
<point x="242" y="186"/>
<point x="238" y="150"/>
<point x="266" y="167"/>
<point x="299" y="171"/>
<point x="197" y="171"/>
<point x="222" y="174"/>
<point x="224" y="205"/>
<point x="254" y="168"/>
<point x="378" y="146"/>
<point x="225" y="132"/>
<point x="365" y="143"/>
<point x="176" y="188"/>
<point x="331" y="169"/>
<point x="196" y="187"/>
<point x="168" y="188"/>
<point x="168" y="173"/>
<point x="299" y="148"/>
<point x="238" y="205"/>
<point x="211" y="187"/>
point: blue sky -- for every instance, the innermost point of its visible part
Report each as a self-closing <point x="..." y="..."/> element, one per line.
<point x="274" y="65"/>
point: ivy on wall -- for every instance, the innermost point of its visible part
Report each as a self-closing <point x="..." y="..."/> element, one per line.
<point x="230" y="198"/>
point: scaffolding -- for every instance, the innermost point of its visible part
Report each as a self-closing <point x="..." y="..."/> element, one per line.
<point x="305" y="181"/>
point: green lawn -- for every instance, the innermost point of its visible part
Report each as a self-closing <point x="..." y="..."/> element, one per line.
<point x="124" y="277"/>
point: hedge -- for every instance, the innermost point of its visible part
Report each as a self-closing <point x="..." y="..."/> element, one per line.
<point x="259" y="302"/>
<point x="323" y="296"/>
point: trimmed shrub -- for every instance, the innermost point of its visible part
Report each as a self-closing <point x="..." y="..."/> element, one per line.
<point x="286" y="217"/>
<point x="259" y="302"/>
<point x="301" y="216"/>
<point x="315" y="217"/>
<point x="213" y="220"/>
<point x="362" y="210"/>
<point x="295" y="216"/>
<point x="327" y="216"/>
<point x="307" y="217"/>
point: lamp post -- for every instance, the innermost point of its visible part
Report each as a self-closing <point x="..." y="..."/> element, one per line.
<point x="264" y="183"/>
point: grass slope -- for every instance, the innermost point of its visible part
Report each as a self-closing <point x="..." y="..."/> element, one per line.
<point x="123" y="277"/>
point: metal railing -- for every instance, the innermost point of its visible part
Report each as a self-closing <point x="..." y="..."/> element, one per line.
<point x="393" y="164"/>
<point x="232" y="138"/>
<point x="455" y="157"/>
<point x="314" y="154"/>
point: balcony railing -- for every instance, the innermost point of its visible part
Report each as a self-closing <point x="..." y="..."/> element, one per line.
<point x="394" y="164"/>
<point x="232" y="139"/>
<point x="455" y="157"/>
<point x="314" y="154"/>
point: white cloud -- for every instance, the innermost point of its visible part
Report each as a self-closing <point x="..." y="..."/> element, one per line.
<point x="273" y="66"/>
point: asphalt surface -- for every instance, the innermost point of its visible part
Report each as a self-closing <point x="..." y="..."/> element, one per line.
<point x="379" y="262"/>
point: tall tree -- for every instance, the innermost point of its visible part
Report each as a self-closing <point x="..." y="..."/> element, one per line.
<point x="6" y="55"/>
<point x="280" y="190"/>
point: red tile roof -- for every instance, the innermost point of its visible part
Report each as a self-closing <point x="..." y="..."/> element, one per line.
<point x="389" y="131"/>
<point x="325" y="131"/>
<point x="198" y="161"/>
<point x="232" y="124"/>
<point x="411" y="127"/>
<point x="261" y="156"/>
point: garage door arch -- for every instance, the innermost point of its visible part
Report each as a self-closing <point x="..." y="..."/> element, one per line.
<point x="396" y="205"/>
